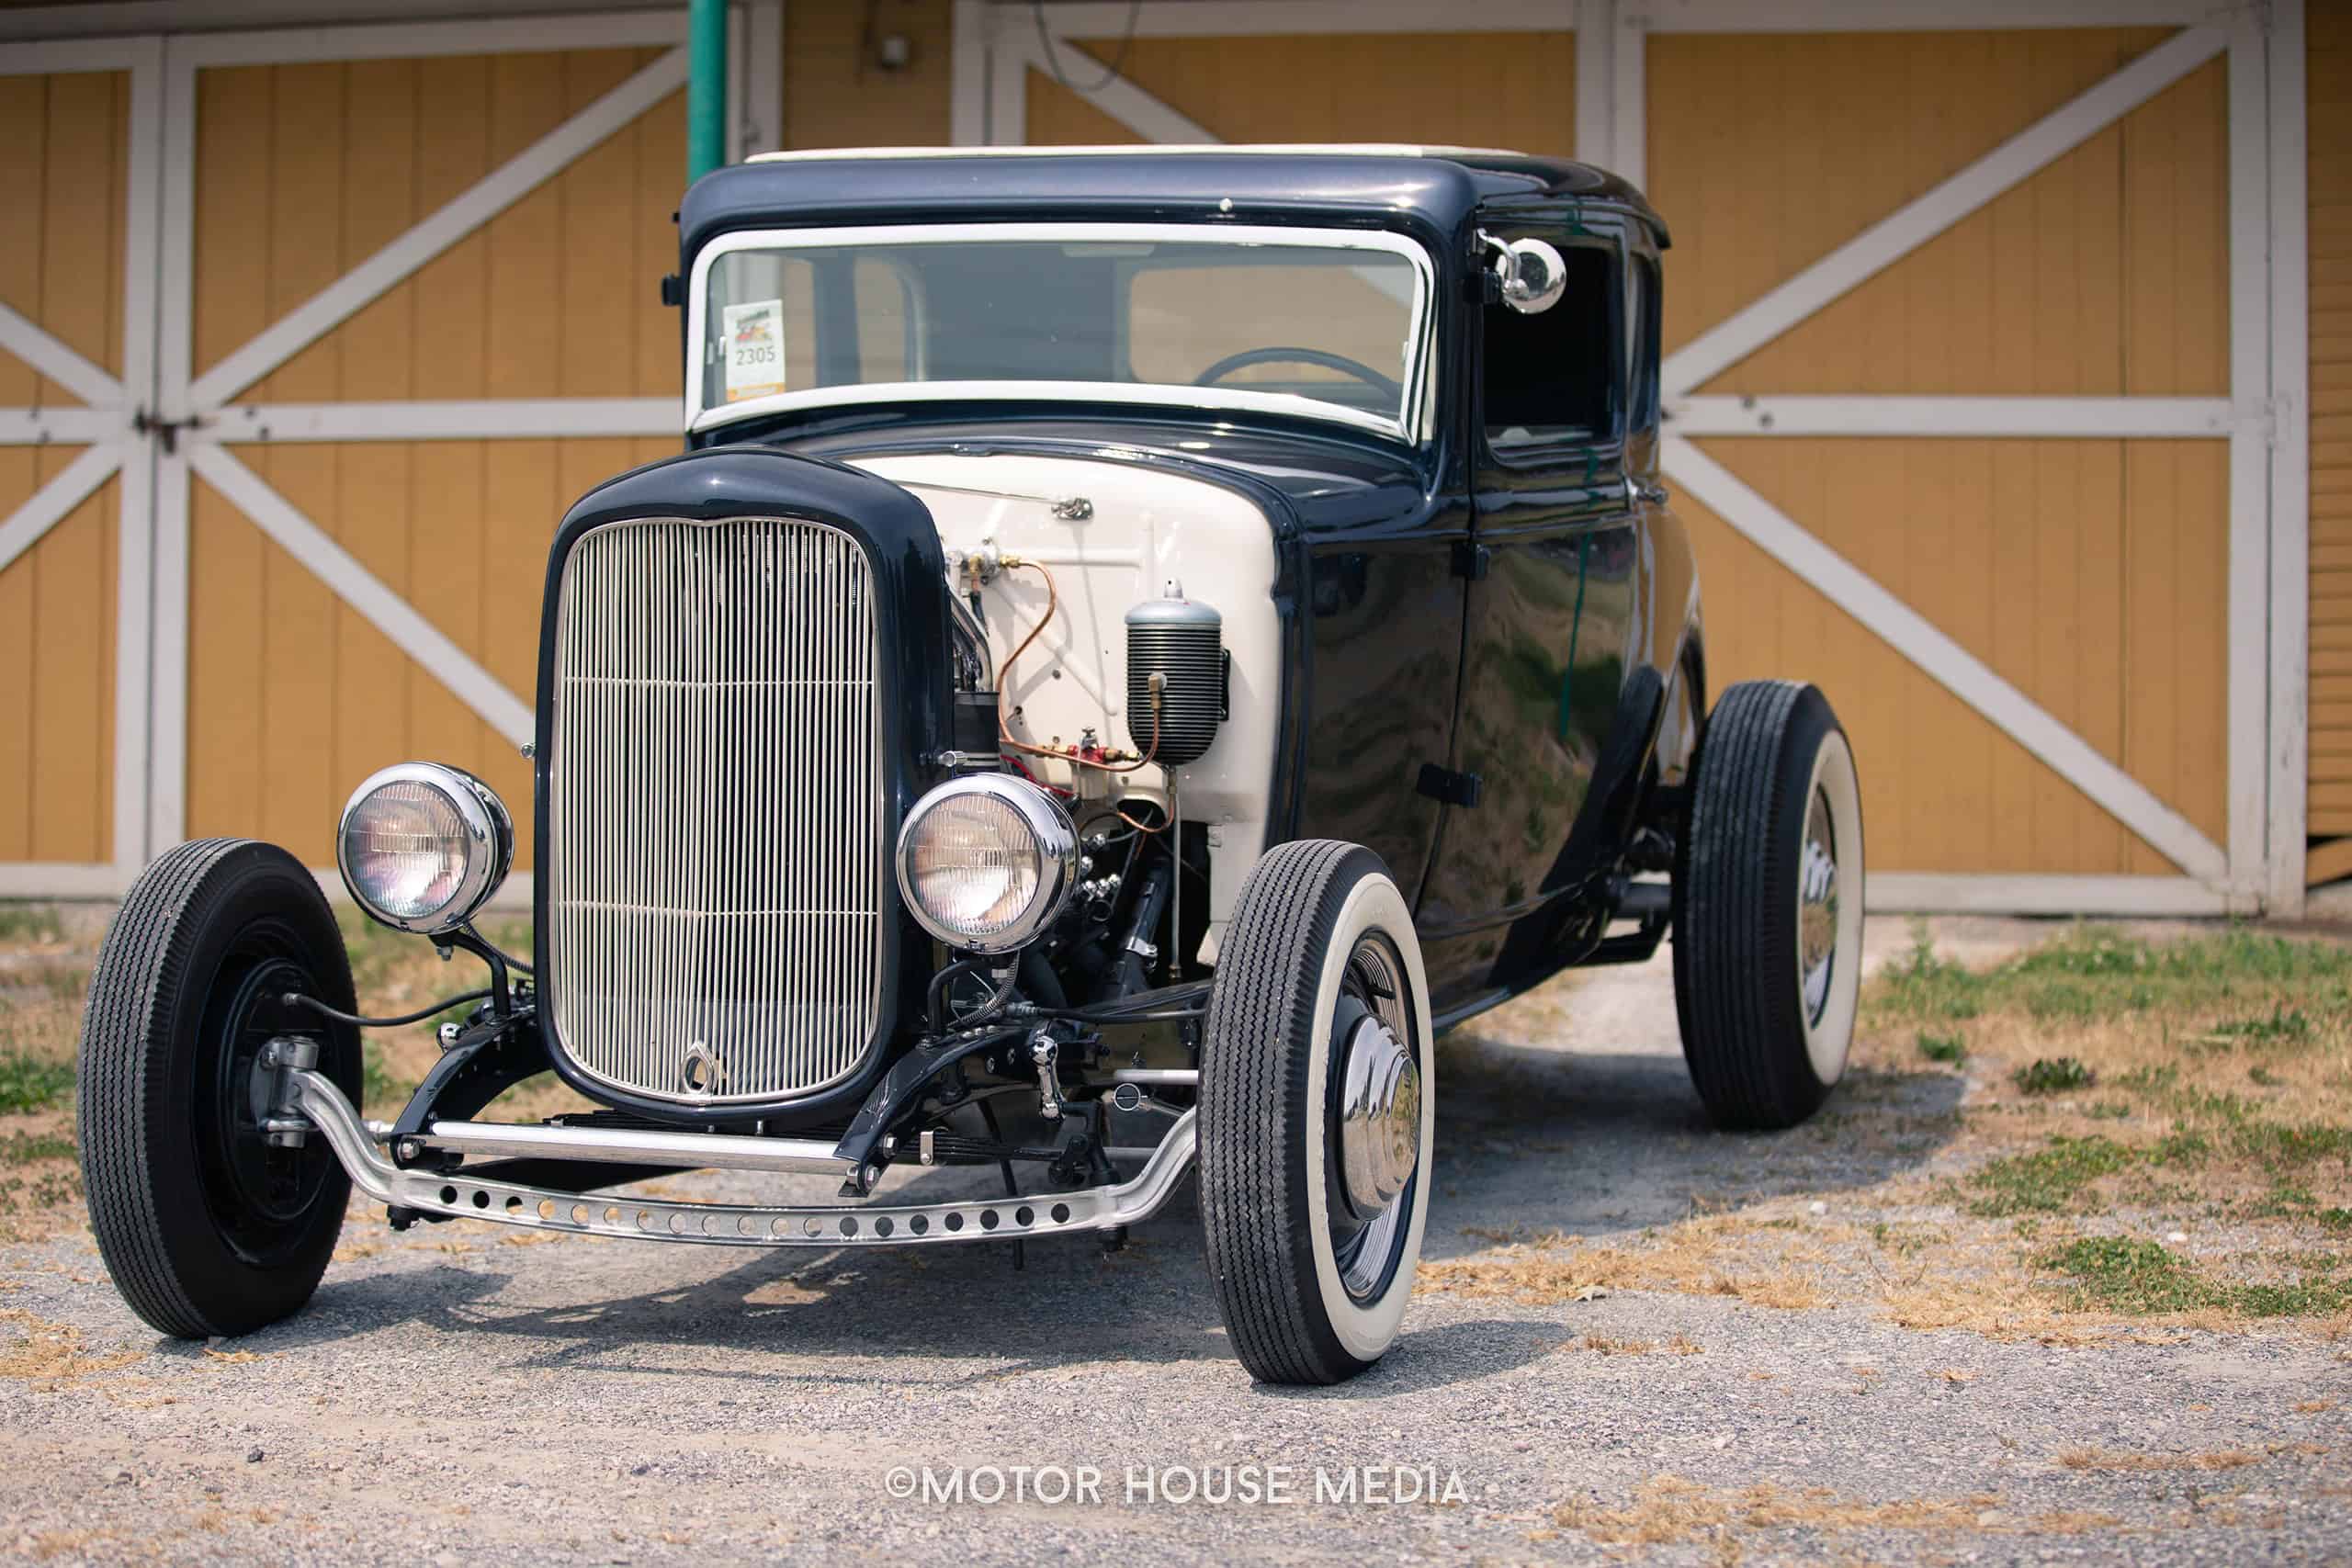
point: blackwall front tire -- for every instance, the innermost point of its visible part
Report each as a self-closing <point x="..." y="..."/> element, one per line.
<point x="1317" y="1115"/>
<point x="1767" y="906"/>
<point x="206" y="1227"/>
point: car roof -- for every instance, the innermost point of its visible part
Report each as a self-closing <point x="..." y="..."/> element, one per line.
<point x="1182" y="183"/>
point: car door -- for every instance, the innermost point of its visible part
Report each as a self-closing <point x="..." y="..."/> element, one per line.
<point x="1554" y="611"/>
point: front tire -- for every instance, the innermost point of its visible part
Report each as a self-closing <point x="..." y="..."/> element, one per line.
<point x="1767" y="906"/>
<point x="207" y="1228"/>
<point x="1317" y="1115"/>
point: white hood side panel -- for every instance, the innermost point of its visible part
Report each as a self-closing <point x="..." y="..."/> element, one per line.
<point x="1148" y="526"/>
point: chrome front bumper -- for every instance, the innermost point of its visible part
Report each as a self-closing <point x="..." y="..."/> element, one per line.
<point x="730" y="1224"/>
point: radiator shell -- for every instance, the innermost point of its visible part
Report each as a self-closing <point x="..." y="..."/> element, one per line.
<point x="894" y="534"/>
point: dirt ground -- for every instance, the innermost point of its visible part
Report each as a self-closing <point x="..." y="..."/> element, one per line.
<point x="2064" y="1271"/>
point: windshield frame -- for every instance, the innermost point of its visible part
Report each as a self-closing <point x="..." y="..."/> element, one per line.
<point x="1413" y="427"/>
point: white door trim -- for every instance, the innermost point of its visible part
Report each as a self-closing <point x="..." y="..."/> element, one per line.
<point x="1790" y="414"/>
<point x="484" y="419"/>
<point x="2289" y="431"/>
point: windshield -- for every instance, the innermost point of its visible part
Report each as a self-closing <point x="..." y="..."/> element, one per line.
<point x="1330" y="324"/>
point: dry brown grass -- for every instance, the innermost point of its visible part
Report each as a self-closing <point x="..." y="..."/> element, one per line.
<point x="1716" y="1254"/>
<point x="2220" y="1459"/>
<point x="1681" y="1345"/>
<point x="1670" y="1510"/>
<point x="51" y="1356"/>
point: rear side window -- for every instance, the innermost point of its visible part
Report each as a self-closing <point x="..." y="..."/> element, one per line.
<point x="1555" y="377"/>
<point x="1641" y="340"/>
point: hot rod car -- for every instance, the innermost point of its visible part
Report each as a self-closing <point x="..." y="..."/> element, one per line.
<point x="1139" y="641"/>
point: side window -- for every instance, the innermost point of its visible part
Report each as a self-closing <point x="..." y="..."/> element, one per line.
<point x="1553" y="378"/>
<point x="1641" y="340"/>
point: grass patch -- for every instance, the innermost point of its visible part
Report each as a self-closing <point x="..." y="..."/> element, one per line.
<point x="31" y="924"/>
<point x="2282" y="1025"/>
<point x="1948" y="1049"/>
<point x="2051" y="1074"/>
<point x="24" y="1149"/>
<point x="2049" y="1181"/>
<point x="2141" y="1279"/>
<point x="2093" y="971"/>
<point x="32" y="1083"/>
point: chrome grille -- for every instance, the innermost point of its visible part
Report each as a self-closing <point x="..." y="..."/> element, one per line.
<point x="714" y="809"/>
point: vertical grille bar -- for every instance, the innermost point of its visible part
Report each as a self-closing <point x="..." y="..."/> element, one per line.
<point x="714" y="809"/>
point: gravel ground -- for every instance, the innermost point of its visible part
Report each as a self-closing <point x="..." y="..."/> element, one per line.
<point x="454" y="1396"/>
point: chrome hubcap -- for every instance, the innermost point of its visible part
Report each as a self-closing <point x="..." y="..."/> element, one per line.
<point x="1818" y="908"/>
<point x="1380" y="1119"/>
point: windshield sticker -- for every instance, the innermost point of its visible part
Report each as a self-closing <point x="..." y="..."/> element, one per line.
<point x="755" y="348"/>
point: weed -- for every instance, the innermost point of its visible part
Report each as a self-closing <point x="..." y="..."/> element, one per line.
<point x="30" y="923"/>
<point x="2051" y="1074"/>
<point x="2140" y="1277"/>
<point x="2128" y="1276"/>
<point x="24" y="1149"/>
<point x="2282" y="1025"/>
<point x="2109" y="1111"/>
<point x="2049" y="1179"/>
<point x="1922" y="985"/>
<point x="29" y="1083"/>
<point x="1947" y="1048"/>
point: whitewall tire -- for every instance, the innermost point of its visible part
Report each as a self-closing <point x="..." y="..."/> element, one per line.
<point x="1318" y="1114"/>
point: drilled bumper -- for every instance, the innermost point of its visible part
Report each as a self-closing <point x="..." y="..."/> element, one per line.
<point x="733" y="1225"/>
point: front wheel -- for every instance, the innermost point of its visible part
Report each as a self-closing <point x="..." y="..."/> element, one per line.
<point x="208" y="1225"/>
<point x="1767" y="906"/>
<point x="1317" y="1112"/>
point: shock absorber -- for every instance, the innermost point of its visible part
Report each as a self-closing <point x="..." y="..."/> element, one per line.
<point x="1137" y="952"/>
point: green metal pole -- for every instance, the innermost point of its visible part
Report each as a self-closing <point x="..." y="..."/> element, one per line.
<point x="706" y="87"/>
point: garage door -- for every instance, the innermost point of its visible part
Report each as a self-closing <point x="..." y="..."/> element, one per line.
<point x="1965" y="370"/>
<point x="67" y="266"/>
<point x="308" y="341"/>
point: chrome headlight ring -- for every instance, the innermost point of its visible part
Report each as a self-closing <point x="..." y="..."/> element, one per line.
<point x="1002" y="848"/>
<point x="472" y="822"/>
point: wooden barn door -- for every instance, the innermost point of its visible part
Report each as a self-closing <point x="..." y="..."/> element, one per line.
<point x="1969" y="375"/>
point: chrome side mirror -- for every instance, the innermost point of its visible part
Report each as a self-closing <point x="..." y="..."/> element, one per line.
<point x="1532" y="275"/>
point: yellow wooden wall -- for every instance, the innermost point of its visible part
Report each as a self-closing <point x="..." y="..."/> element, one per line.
<point x="834" y="96"/>
<point x="2090" y="574"/>
<point x="64" y="170"/>
<point x="2328" y="89"/>
<point x="302" y="171"/>
<point x="1464" y="89"/>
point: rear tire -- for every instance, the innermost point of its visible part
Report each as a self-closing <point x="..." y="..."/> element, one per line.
<point x="1767" y="906"/>
<point x="1312" y="1216"/>
<point x="206" y="1228"/>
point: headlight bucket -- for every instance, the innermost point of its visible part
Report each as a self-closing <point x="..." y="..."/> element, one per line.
<point x="422" y="845"/>
<point x="986" y="861"/>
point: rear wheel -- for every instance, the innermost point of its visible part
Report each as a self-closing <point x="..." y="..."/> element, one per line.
<point x="1767" y="906"/>
<point x="1316" y="1115"/>
<point x="205" y="1225"/>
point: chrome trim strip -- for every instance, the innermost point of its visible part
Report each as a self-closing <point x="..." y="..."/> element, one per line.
<point x="735" y="1224"/>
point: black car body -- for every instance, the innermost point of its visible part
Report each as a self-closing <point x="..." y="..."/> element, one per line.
<point x="822" y="883"/>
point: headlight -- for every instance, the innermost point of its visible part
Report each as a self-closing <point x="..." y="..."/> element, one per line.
<point x="421" y="846"/>
<point x="985" y="862"/>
